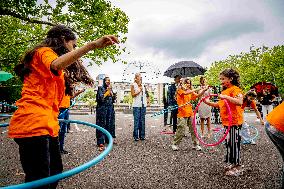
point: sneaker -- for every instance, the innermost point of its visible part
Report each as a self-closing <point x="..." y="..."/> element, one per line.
<point x="246" y="142"/>
<point x="101" y="147"/>
<point x="253" y="142"/>
<point x="142" y="138"/>
<point x="235" y="171"/>
<point x="174" y="147"/>
<point x="197" y="147"/>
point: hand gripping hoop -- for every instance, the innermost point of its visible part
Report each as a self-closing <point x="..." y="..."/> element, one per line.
<point x="194" y="122"/>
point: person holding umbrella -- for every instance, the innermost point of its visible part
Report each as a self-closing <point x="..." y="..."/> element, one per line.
<point x="172" y="100"/>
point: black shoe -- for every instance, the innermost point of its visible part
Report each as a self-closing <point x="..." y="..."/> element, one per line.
<point x="136" y="139"/>
<point x="142" y="138"/>
<point x="64" y="152"/>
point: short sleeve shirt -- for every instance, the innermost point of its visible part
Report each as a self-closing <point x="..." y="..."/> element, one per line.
<point x="42" y="93"/>
<point x="182" y="99"/>
<point x="236" y="110"/>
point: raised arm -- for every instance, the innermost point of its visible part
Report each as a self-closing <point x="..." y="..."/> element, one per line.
<point x="69" y="58"/>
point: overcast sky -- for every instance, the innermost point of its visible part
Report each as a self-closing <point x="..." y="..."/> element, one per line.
<point x="163" y="32"/>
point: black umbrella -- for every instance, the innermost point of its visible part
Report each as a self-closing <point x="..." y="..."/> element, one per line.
<point x="184" y="69"/>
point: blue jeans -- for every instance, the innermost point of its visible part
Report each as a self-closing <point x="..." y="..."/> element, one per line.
<point x="277" y="138"/>
<point x="139" y="122"/>
<point x="63" y="114"/>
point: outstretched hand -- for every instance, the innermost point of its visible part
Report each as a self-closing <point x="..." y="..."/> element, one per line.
<point x="105" y="41"/>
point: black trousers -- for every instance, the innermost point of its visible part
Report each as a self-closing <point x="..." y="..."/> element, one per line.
<point x="40" y="157"/>
<point x="174" y="114"/>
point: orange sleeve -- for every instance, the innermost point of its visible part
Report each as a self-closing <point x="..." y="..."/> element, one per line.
<point x="180" y="92"/>
<point x="46" y="56"/>
<point x="237" y="92"/>
<point x="276" y="117"/>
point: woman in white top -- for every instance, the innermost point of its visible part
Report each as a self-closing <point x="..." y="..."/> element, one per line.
<point x="204" y="110"/>
<point x="140" y="101"/>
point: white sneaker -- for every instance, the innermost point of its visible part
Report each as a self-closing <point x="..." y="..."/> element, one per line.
<point x="175" y="147"/>
<point x="252" y="142"/>
<point x="197" y="147"/>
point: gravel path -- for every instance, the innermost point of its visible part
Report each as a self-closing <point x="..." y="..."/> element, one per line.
<point x="151" y="163"/>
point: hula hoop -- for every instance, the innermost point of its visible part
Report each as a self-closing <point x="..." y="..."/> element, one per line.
<point x="71" y="172"/>
<point x="251" y="127"/>
<point x="194" y="122"/>
<point x="5" y="104"/>
<point x="166" y="110"/>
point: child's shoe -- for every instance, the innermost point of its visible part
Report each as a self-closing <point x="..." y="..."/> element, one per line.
<point x="174" y="147"/>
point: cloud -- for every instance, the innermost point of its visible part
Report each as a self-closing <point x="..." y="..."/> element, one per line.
<point x="164" y="32"/>
<point x="181" y="42"/>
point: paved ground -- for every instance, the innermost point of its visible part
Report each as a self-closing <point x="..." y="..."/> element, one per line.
<point x="152" y="163"/>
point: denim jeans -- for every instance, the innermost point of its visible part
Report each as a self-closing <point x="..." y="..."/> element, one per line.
<point x="277" y="138"/>
<point x="64" y="114"/>
<point x="139" y="122"/>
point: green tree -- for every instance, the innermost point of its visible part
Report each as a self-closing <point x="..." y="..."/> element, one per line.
<point x="24" y="23"/>
<point x="260" y="64"/>
<point x="128" y="99"/>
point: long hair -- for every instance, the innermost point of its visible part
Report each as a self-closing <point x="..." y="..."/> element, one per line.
<point x="232" y="74"/>
<point x="188" y="81"/>
<point x="55" y="40"/>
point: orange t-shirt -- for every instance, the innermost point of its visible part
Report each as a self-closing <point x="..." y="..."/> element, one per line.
<point x="252" y="104"/>
<point x="237" y="111"/>
<point x="42" y="93"/>
<point x="276" y="117"/>
<point x="65" y="103"/>
<point x="182" y="98"/>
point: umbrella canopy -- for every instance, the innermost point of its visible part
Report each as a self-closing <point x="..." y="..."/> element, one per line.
<point x="260" y="86"/>
<point x="184" y="69"/>
<point x="4" y="76"/>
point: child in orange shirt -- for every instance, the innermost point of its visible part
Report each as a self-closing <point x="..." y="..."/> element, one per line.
<point x="274" y="128"/>
<point x="230" y="80"/>
<point x="249" y="101"/>
<point x="34" y="126"/>
<point x="184" y="95"/>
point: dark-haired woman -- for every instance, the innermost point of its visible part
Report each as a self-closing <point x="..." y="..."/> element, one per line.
<point x="105" y="113"/>
<point x="34" y="126"/>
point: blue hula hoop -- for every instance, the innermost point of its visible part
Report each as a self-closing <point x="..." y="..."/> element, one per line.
<point x="71" y="172"/>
